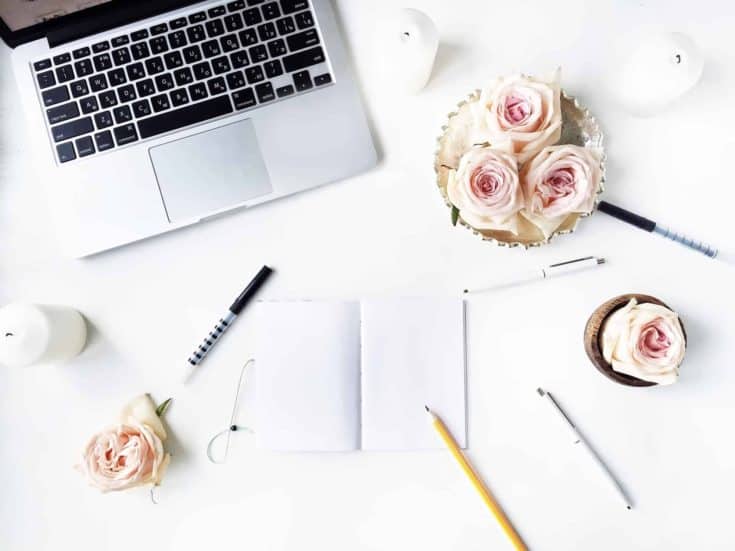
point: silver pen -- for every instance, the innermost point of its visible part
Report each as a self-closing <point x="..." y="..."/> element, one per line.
<point x="579" y="439"/>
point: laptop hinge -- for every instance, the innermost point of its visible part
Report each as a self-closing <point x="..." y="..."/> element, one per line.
<point x="116" y="15"/>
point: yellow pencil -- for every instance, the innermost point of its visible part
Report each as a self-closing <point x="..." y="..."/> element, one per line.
<point x="495" y="509"/>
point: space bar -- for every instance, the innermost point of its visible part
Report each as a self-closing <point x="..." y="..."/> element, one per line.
<point x="180" y="118"/>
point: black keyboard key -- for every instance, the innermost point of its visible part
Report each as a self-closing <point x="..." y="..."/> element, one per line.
<point x="135" y="71"/>
<point x="139" y="35"/>
<point x="252" y="17"/>
<point x="202" y="70"/>
<point x="248" y="37"/>
<point x="210" y="48"/>
<point x="145" y="88"/>
<point x="85" y="146"/>
<point x="142" y="108"/>
<point x="125" y="134"/>
<point x="46" y="79"/>
<point x="72" y="129"/>
<point x="290" y="6"/>
<point x="81" y="52"/>
<point x="276" y="48"/>
<point x="55" y="95"/>
<point x="121" y="56"/>
<point x="265" y="92"/>
<point x="83" y="68"/>
<point x="160" y="103"/>
<point x="221" y="65"/>
<point x="196" y="33"/>
<point x="234" y="22"/>
<point x="79" y="88"/>
<point x="122" y="114"/>
<point x="321" y="80"/>
<point x="104" y="140"/>
<point x="177" y="23"/>
<point x="303" y="59"/>
<point x="255" y="2"/>
<point x="65" y="73"/>
<point x="285" y="25"/>
<point x="117" y="77"/>
<point x="102" y="62"/>
<point x="236" y="5"/>
<point x="89" y="105"/>
<point x="177" y="39"/>
<point x="216" y="86"/>
<point x="62" y="113"/>
<point x="271" y="11"/>
<point x="217" y="11"/>
<point x="154" y="65"/>
<point x="108" y="99"/>
<point x="179" y="97"/>
<point x="235" y="80"/>
<point x="126" y="93"/>
<point x="215" y="28"/>
<point x="120" y="41"/>
<point x="158" y="45"/>
<point x="97" y="83"/>
<point x="65" y="151"/>
<point x="244" y="98"/>
<point x="164" y="82"/>
<point x="254" y="74"/>
<point x="302" y="81"/>
<point x="284" y="91"/>
<point x="273" y="68"/>
<point x="198" y="91"/>
<point x="302" y="40"/>
<point x="42" y="65"/>
<point x="229" y="43"/>
<point x="267" y="31"/>
<point x="140" y="50"/>
<point x="258" y="53"/>
<point x="183" y="76"/>
<point x="159" y="29"/>
<point x="173" y="60"/>
<point x="197" y="17"/>
<point x="100" y="47"/>
<point x="186" y="116"/>
<point x="192" y="54"/>
<point x="62" y="58"/>
<point x="304" y="20"/>
<point x="239" y="59"/>
<point x="103" y="120"/>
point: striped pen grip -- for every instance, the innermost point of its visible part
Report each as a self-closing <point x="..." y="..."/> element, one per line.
<point x="683" y="240"/>
<point x="203" y="349"/>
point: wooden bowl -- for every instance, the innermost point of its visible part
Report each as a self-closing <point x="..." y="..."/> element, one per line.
<point x="592" y="335"/>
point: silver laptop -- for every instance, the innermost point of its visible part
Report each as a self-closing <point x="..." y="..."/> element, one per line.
<point x="151" y="116"/>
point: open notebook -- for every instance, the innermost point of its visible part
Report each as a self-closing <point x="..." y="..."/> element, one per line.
<point x="340" y="376"/>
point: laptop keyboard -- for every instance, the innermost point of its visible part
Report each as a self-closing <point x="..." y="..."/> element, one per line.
<point x="212" y="63"/>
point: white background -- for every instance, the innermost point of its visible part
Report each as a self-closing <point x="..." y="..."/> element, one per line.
<point x="388" y="232"/>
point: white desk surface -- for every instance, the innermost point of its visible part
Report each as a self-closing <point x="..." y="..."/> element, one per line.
<point x="388" y="232"/>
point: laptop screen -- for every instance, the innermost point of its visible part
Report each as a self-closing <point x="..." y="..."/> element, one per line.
<point x="21" y="14"/>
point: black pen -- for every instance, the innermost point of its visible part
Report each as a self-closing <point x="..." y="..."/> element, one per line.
<point x="225" y="321"/>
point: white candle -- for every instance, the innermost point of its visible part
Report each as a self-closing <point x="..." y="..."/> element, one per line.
<point x="33" y="334"/>
<point x="408" y="44"/>
<point x="658" y="71"/>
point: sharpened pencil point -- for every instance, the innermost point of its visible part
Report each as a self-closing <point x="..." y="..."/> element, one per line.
<point x="540" y="391"/>
<point x="426" y="408"/>
<point x="600" y="260"/>
<point x="629" y="507"/>
<point x="466" y="291"/>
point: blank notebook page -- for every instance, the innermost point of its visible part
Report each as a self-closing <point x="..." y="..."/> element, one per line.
<point x="413" y="353"/>
<point x="308" y="376"/>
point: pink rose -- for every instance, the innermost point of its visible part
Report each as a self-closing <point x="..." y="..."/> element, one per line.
<point x="559" y="181"/>
<point x="524" y="111"/>
<point x="129" y="454"/>
<point x="486" y="189"/>
<point x="645" y="341"/>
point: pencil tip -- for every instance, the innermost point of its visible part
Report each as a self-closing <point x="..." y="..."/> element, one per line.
<point x="540" y="391"/>
<point x="426" y="408"/>
<point x="601" y="261"/>
<point x="629" y="507"/>
<point x="466" y="291"/>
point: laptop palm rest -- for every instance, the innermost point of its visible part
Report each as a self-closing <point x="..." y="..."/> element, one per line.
<point x="211" y="171"/>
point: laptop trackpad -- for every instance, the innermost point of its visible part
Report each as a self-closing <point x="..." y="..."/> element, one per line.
<point x="211" y="171"/>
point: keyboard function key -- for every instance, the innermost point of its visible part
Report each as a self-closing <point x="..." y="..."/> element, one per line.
<point x="81" y="52"/>
<point x="244" y="98"/>
<point x="125" y="134"/>
<point x="237" y="5"/>
<point x="197" y="17"/>
<point x="104" y="140"/>
<point x="159" y="29"/>
<point x="85" y="146"/>
<point x="46" y="79"/>
<point x="302" y="81"/>
<point x="62" y="58"/>
<point x="139" y="35"/>
<point x="120" y="41"/>
<point x="217" y="11"/>
<point x="56" y="95"/>
<point x="62" y="113"/>
<point x="72" y="129"/>
<point x="65" y="151"/>
<point x="42" y="65"/>
<point x="100" y="47"/>
<point x="177" y="23"/>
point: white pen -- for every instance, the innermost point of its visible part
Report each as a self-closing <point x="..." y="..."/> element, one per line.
<point x="579" y="439"/>
<point x="544" y="272"/>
